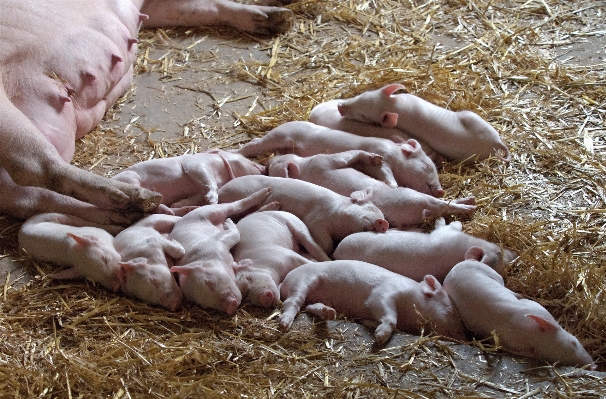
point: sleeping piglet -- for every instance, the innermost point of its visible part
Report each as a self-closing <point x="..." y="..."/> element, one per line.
<point x="366" y="291"/>
<point x="147" y="255"/>
<point x="414" y="254"/>
<point x="329" y="216"/>
<point x="272" y="241"/>
<point x="71" y="241"/>
<point x="327" y="114"/>
<point x="205" y="272"/>
<point x="339" y="172"/>
<point x="523" y="326"/>
<point x="404" y="164"/>
<point x="457" y="135"/>
<point x="190" y="179"/>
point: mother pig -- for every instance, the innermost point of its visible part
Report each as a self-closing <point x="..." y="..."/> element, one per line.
<point x="63" y="63"/>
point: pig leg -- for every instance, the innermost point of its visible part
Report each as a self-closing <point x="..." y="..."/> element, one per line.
<point x="221" y="212"/>
<point x="296" y="299"/>
<point x="254" y="19"/>
<point x="304" y="238"/>
<point x="322" y="311"/>
<point x="231" y="236"/>
<point x="34" y="161"/>
<point x="384" y="310"/>
<point x="25" y="202"/>
<point x="173" y="248"/>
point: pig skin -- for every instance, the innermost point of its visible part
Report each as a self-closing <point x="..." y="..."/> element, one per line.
<point x="457" y="135"/>
<point x="146" y="257"/>
<point x="401" y="206"/>
<point x="62" y="65"/>
<point x="523" y="326"/>
<point x="191" y="179"/>
<point x="328" y="216"/>
<point x="272" y="242"/>
<point x="70" y="241"/>
<point x="205" y="272"/>
<point x="327" y="114"/>
<point x="403" y="164"/>
<point x="415" y="254"/>
<point x="366" y="291"/>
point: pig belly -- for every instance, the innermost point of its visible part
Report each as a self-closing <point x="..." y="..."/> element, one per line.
<point x="64" y="63"/>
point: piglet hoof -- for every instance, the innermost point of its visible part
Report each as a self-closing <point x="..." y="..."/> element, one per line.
<point x="383" y="332"/>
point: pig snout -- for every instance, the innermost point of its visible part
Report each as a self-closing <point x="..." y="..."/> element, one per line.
<point x="381" y="225"/>
<point x="230" y="305"/>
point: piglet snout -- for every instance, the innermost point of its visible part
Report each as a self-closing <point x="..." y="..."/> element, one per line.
<point x="267" y="299"/>
<point x="230" y="306"/>
<point x="381" y="225"/>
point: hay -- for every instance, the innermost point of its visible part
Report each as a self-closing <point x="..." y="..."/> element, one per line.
<point x="505" y="60"/>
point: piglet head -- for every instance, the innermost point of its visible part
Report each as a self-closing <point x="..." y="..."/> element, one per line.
<point x="256" y="284"/>
<point x="209" y="285"/>
<point x="99" y="260"/>
<point x="554" y="344"/>
<point x="439" y="309"/>
<point x="152" y="283"/>
<point x="363" y="215"/>
<point x="421" y="173"/>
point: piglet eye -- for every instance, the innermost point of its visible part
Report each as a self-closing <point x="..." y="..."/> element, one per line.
<point x="365" y="229"/>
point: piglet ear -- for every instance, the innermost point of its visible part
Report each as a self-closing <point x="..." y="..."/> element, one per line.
<point x="292" y="170"/>
<point x="181" y="270"/>
<point x="67" y="274"/>
<point x="82" y="240"/>
<point x="243" y="265"/>
<point x="361" y="196"/>
<point x="543" y="324"/>
<point x="410" y="147"/>
<point x="390" y="89"/>
<point x="430" y="286"/>
<point x="389" y="120"/>
<point x="474" y="253"/>
<point x="123" y="271"/>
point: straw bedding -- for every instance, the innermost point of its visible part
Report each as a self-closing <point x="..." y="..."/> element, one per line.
<point x="505" y="60"/>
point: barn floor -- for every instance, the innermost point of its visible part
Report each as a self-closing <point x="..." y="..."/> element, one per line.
<point x="199" y="89"/>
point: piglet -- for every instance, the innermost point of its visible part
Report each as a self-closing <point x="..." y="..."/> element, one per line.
<point x="71" y="241"/>
<point x="205" y="272"/>
<point x="366" y="291"/>
<point x="339" y="172"/>
<point x="404" y="164"/>
<point x="147" y="255"/>
<point x="457" y="135"/>
<point x="327" y="114"/>
<point x="191" y="179"/>
<point x="272" y="242"/>
<point x="328" y="215"/>
<point x="523" y="326"/>
<point x="414" y="254"/>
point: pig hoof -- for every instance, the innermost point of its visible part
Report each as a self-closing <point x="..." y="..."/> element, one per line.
<point x="280" y="21"/>
<point x="149" y="201"/>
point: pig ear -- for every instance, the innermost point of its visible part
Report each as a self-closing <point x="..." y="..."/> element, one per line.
<point x="474" y="253"/>
<point x="410" y="146"/>
<point x="181" y="270"/>
<point x="67" y="274"/>
<point x="243" y="265"/>
<point x="292" y="170"/>
<point x="544" y="324"/>
<point x="82" y="240"/>
<point x="123" y="271"/>
<point x="361" y="196"/>
<point x="431" y="286"/>
<point x="390" y="89"/>
<point x="389" y="120"/>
